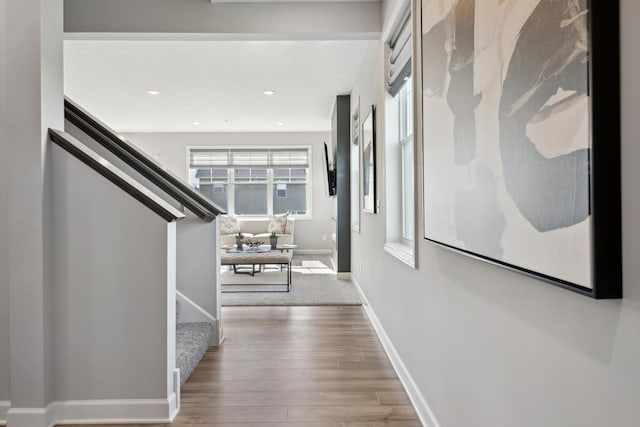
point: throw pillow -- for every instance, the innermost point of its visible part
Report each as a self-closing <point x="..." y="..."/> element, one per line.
<point x="229" y="225"/>
<point x="278" y="224"/>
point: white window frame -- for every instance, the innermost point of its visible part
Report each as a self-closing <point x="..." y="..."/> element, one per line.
<point x="397" y="243"/>
<point x="270" y="179"/>
<point x="407" y="141"/>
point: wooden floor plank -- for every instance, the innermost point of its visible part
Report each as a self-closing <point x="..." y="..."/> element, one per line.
<point x="350" y="413"/>
<point x="323" y="374"/>
<point x="212" y="364"/>
<point x="285" y="355"/>
<point x="245" y="414"/>
<point x="393" y="398"/>
<point x="216" y="375"/>
<point x="283" y="399"/>
<point x="295" y="367"/>
<point x="353" y="385"/>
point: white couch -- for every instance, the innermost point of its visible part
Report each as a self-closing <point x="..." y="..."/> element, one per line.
<point x="256" y="230"/>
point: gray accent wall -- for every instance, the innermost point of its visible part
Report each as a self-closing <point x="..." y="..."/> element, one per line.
<point x="487" y="347"/>
<point x="171" y="150"/>
<point x="341" y="137"/>
<point x="321" y="20"/>
<point x="112" y="260"/>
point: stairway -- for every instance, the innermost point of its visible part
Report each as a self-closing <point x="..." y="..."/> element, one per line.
<point x="192" y="342"/>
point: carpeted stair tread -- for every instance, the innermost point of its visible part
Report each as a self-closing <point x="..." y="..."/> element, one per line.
<point x="192" y="342"/>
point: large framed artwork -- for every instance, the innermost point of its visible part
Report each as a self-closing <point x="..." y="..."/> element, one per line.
<point x="369" y="162"/>
<point x="521" y="136"/>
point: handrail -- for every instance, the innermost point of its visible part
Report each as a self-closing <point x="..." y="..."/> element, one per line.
<point x="140" y="161"/>
<point x="115" y="175"/>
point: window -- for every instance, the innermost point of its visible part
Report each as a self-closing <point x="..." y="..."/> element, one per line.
<point x="291" y="191"/>
<point x="400" y="219"/>
<point x="399" y="145"/>
<point x="250" y="191"/>
<point x="254" y="181"/>
<point x="406" y="148"/>
<point x="213" y="183"/>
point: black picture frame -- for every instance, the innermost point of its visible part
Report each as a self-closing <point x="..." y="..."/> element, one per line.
<point x="491" y="191"/>
<point x="369" y="191"/>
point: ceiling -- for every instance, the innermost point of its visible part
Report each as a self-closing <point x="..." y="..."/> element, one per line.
<point x="211" y="86"/>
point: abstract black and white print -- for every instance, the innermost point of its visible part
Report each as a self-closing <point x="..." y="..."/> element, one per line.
<point x="506" y="132"/>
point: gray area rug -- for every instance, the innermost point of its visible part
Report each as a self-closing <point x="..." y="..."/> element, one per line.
<point x="313" y="283"/>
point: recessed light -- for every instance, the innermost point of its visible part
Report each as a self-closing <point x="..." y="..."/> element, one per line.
<point x="153" y="92"/>
<point x="269" y="92"/>
<point x="195" y="123"/>
<point x="280" y="123"/>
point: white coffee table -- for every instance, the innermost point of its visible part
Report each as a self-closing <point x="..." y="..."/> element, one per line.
<point x="259" y="257"/>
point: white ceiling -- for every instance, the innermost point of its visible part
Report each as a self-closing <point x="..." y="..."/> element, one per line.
<point x="217" y="83"/>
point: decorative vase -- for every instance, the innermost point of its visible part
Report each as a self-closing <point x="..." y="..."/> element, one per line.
<point x="239" y="244"/>
<point x="274" y="242"/>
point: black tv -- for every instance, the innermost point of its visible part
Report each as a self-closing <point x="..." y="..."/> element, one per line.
<point x="330" y="172"/>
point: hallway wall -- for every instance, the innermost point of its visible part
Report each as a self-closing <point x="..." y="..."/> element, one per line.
<point x="487" y="347"/>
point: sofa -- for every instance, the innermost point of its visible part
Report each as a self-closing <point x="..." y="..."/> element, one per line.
<point x="254" y="229"/>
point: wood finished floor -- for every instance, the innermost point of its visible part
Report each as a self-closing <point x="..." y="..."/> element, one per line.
<point x="296" y="367"/>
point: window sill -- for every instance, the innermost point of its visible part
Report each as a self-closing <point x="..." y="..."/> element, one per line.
<point x="266" y="217"/>
<point x="402" y="251"/>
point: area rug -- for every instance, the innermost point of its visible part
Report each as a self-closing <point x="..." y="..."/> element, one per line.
<point x="313" y="282"/>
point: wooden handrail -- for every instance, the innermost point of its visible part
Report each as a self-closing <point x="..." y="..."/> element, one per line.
<point x="141" y="162"/>
<point x="115" y="175"/>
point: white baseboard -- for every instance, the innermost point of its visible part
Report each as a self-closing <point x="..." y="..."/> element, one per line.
<point x="174" y="399"/>
<point x="133" y="411"/>
<point x="30" y="417"/>
<point x="313" y="251"/>
<point x="4" y="407"/>
<point x="427" y="418"/>
<point x="343" y="276"/>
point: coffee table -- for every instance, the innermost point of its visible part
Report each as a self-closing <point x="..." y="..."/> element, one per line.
<point x="259" y="257"/>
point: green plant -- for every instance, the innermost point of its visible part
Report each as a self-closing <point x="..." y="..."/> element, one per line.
<point x="273" y="235"/>
<point x="239" y="236"/>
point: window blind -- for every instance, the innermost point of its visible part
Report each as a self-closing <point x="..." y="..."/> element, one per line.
<point x="245" y="157"/>
<point x="401" y="44"/>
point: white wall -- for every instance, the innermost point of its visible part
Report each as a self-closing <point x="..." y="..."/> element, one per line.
<point x="196" y="266"/>
<point x="34" y="76"/>
<point x="4" y="232"/>
<point x="491" y="348"/>
<point x="171" y="150"/>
